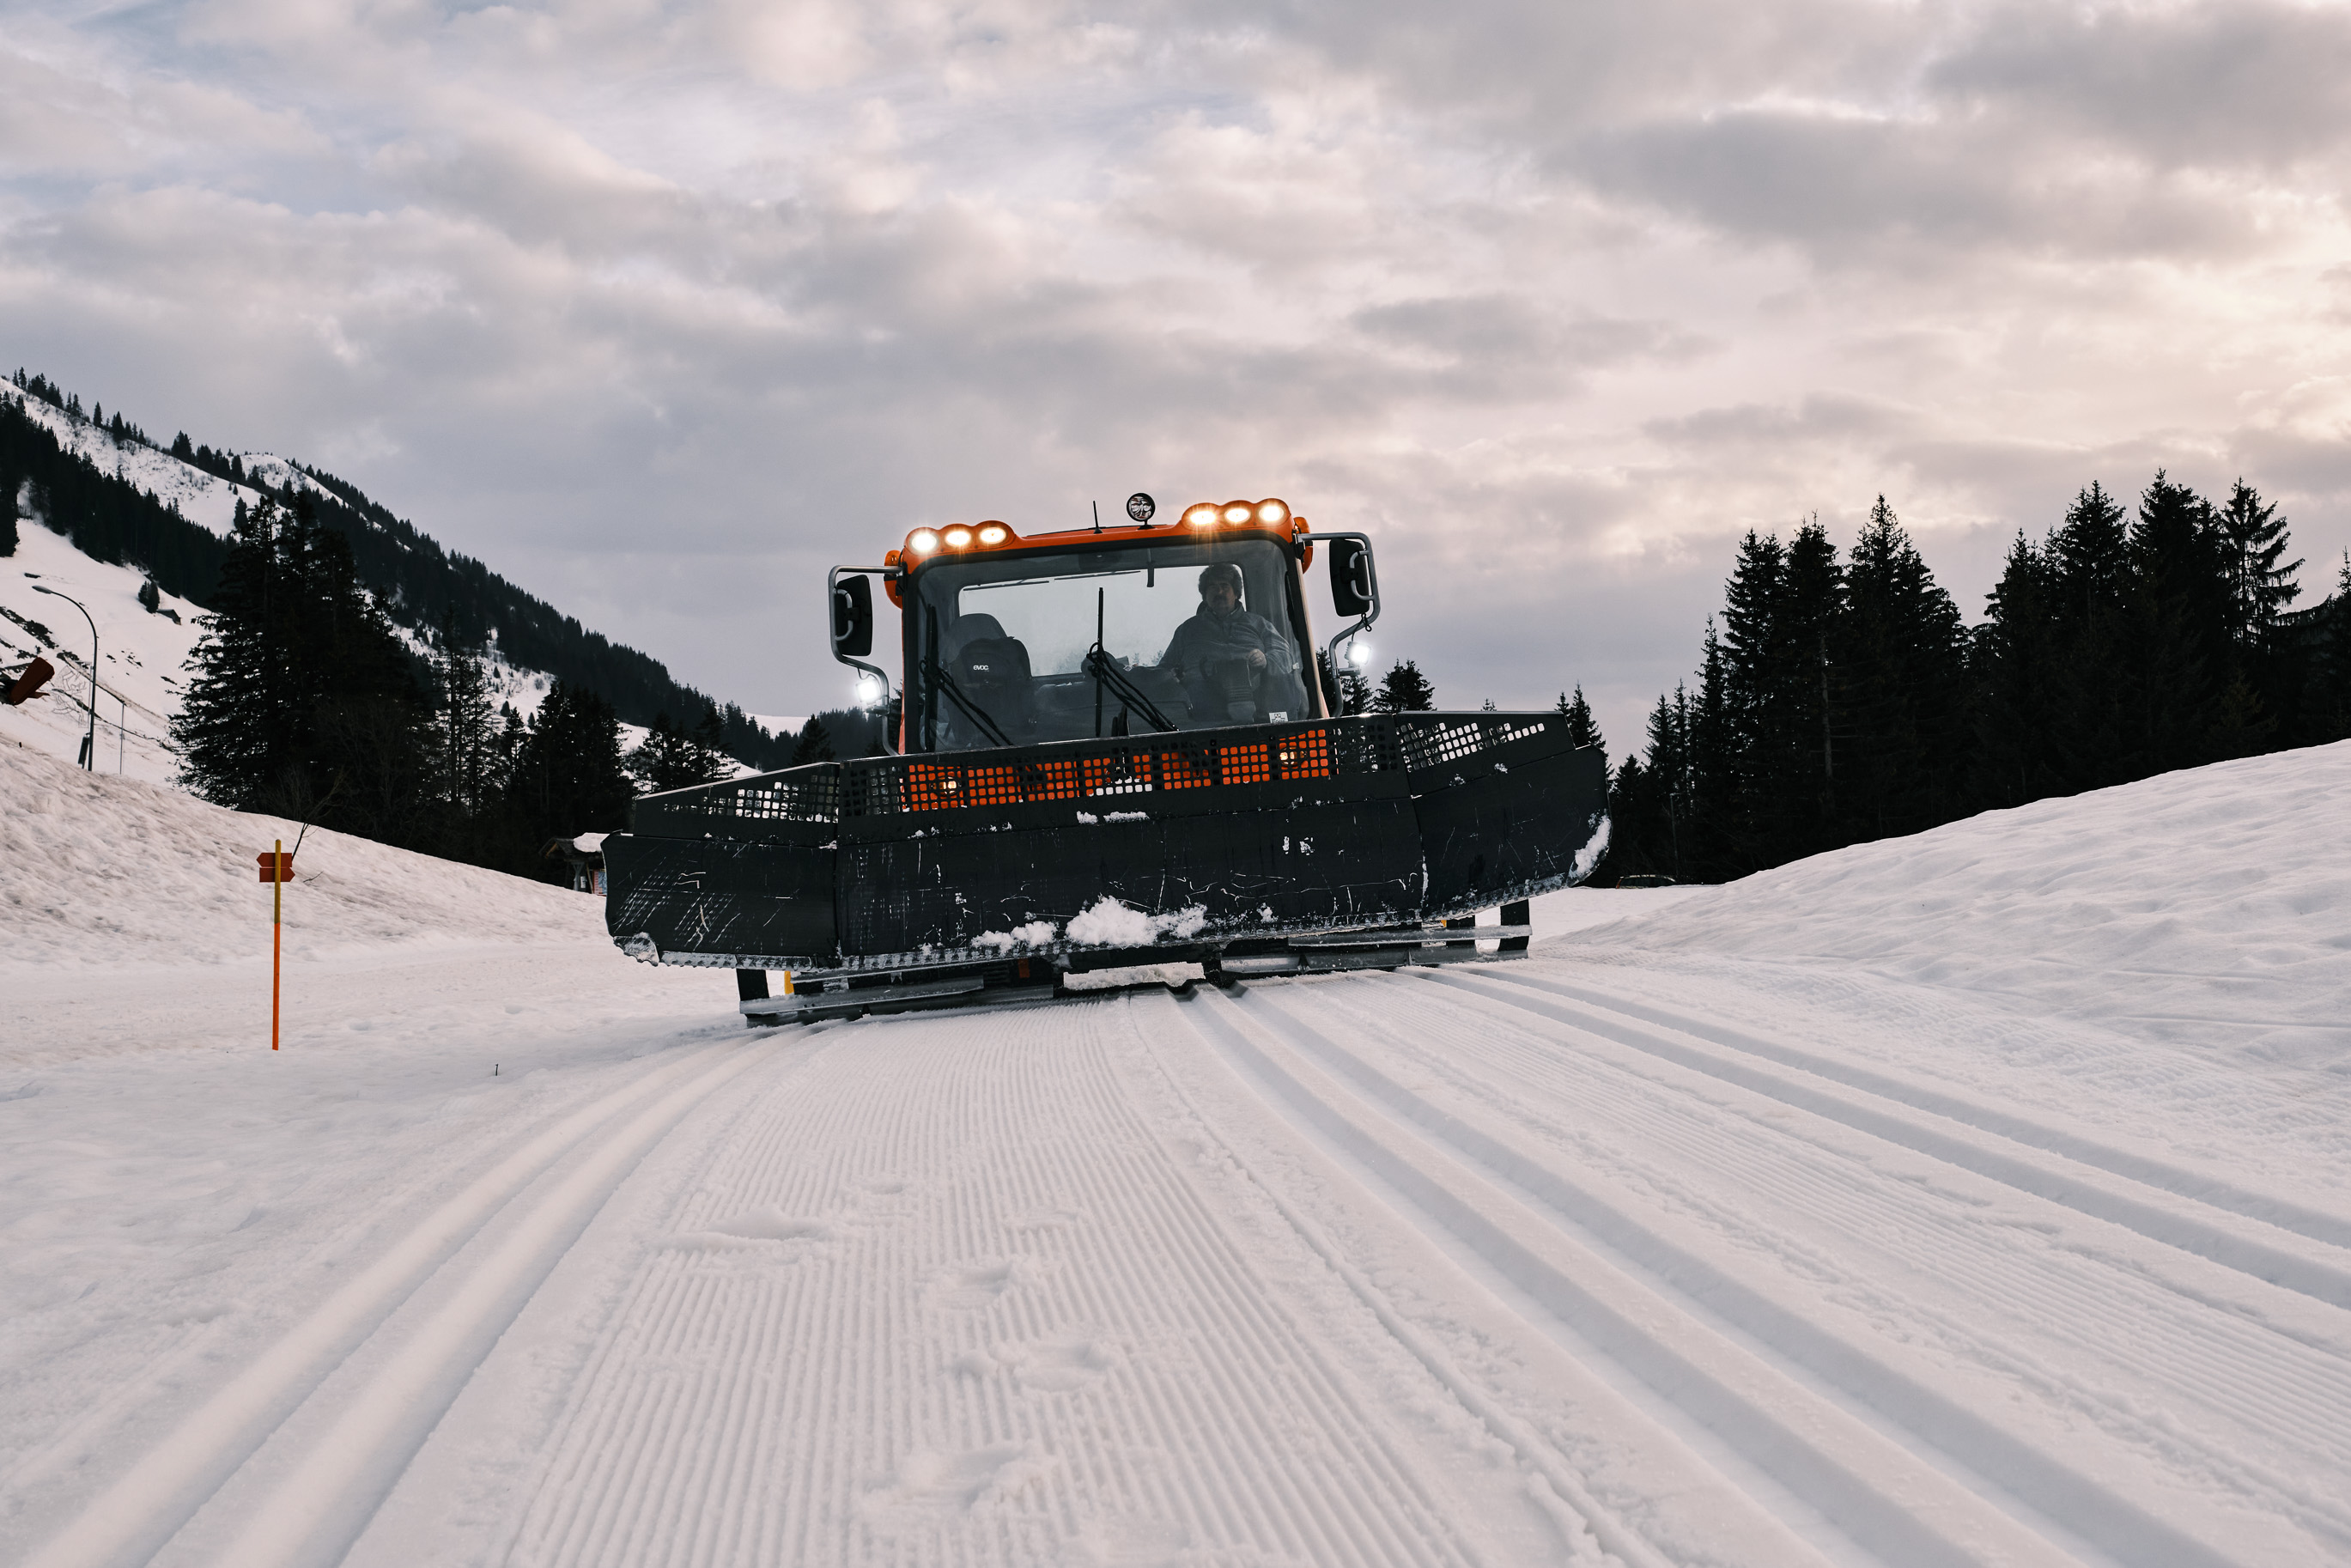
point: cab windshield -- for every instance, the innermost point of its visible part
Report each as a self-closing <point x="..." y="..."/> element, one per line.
<point x="1010" y="650"/>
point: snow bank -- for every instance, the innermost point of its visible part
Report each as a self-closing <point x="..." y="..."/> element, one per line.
<point x="103" y="871"/>
<point x="2216" y="897"/>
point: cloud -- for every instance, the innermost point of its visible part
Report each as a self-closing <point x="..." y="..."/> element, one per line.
<point x="663" y="310"/>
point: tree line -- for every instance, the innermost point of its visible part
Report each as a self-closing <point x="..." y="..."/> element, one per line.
<point x="305" y="701"/>
<point x="1841" y="700"/>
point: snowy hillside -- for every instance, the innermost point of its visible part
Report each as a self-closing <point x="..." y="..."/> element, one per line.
<point x="203" y="498"/>
<point x="143" y="655"/>
<point x="1974" y="1198"/>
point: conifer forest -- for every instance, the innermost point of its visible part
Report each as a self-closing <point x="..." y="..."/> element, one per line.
<point x="1842" y="700"/>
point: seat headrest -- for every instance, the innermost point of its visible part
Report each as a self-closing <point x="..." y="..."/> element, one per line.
<point x="970" y="630"/>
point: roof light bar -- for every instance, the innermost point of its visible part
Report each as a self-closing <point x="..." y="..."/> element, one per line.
<point x="1270" y="512"/>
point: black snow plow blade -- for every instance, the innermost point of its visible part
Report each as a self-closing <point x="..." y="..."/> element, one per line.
<point x="1139" y="848"/>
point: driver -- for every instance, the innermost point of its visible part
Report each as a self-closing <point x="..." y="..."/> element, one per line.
<point x="1226" y="654"/>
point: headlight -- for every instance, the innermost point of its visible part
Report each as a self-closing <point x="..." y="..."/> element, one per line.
<point x="1201" y="516"/>
<point x="958" y="538"/>
<point x="991" y="534"/>
<point x="922" y="541"/>
<point x="1359" y="652"/>
<point x="1238" y="511"/>
<point x="1272" y="512"/>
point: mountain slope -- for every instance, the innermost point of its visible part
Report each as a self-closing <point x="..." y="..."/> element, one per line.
<point x="125" y="500"/>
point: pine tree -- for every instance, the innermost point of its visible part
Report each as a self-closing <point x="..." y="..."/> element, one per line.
<point x="1582" y="731"/>
<point x="1404" y="689"/>
<point x="239" y="727"/>
<point x="706" y="748"/>
<point x="1899" y="690"/>
<point x="463" y="720"/>
<point x="1778" y="606"/>
<point x="301" y="692"/>
<point x="658" y="762"/>
<point x="2327" y="705"/>
<point x="566" y="777"/>
<point x="2180" y="652"/>
<point x="815" y="744"/>
<point x="2254" y="537"/>
<point x="1713" y="773"/>
<point x="9" y="539"/>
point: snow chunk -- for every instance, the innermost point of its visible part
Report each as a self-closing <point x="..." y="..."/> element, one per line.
<point x="1036" y="934"/>
<point x="1129" y="817"/>
<point x="1111" y="924"/>
<point x="1589" y="855"/>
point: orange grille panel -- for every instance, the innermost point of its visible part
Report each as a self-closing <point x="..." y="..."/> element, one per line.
<point x="942" y="786"/>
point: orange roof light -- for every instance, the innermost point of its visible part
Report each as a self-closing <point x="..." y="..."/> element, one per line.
<point x="1270" y="513"/>
<point x="924" y="543"/>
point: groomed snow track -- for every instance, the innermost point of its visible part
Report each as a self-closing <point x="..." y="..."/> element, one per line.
<point x="1483" y="1265"/>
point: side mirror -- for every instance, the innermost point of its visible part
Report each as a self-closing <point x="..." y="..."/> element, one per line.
<point x="1354" y="590"/>
<point x="852" y="617"/>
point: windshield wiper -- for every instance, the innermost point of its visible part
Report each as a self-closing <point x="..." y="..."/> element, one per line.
<point x="1107" y="673"/>
<point x="944" y="681"/>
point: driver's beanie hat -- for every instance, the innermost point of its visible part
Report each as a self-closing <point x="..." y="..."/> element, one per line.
<point x="1222" y="571"/>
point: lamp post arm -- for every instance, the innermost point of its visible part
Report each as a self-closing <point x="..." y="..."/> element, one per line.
<point x="89" y="738"/>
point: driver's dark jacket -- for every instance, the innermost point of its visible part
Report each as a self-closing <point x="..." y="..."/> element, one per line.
<point x="1207" y="637"/>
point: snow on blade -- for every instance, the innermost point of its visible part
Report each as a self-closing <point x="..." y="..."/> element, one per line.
<point x="1036" y="934"/>
<point x="1593" y="848"/>
<point x="1109" y="923"/>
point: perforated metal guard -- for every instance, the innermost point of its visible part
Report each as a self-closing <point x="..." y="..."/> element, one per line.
<point x="805" y="794"/>
<point x="879" y="787"/>
<point x="1086" y="770"/>
<point x="1430" y="740"/>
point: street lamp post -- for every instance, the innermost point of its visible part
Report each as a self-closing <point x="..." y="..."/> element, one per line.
<point x="89" y="738"/>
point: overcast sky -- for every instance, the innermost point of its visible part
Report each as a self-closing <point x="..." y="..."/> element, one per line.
<point x="661" y="309"/>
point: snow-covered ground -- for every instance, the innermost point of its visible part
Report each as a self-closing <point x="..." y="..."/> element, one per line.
<point x="1973" y="1198"/>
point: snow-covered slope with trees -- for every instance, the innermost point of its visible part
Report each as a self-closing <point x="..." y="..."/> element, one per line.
<point x="143" y="655"/>
<point x="175" y="499"/>
<point x="1976" y="1199"/>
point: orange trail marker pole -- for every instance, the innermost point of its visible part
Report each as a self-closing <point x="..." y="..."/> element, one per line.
<point x="276" y="932"/>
